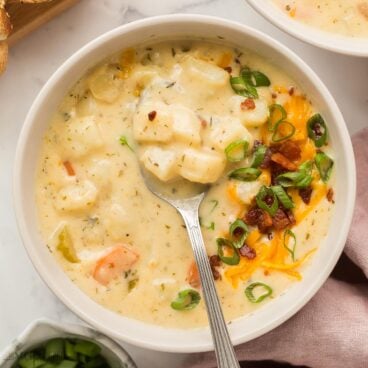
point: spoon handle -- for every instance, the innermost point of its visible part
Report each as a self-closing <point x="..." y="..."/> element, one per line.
<point x="224" y="350"/>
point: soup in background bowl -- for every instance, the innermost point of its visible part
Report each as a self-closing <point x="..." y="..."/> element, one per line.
<point x="126" y="249"/>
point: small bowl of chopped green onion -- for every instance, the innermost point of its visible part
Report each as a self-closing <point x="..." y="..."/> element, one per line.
<point x="46" y="344"/>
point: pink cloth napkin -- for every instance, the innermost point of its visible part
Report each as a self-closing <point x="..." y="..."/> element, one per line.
<point x="331" y="331"/>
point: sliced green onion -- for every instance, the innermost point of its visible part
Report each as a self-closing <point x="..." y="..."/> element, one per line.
<point x="297" y="179"/>
<point x="70" y="353"/>
<point x="67" y="364"/>
<point x="54" y="350"/>
<point x="317" y="130"/>
<point x="250" y="295"/>
<point x="238" y="226"/>
<point x="277" y="115"/>
<point x="306" y="166"/>
<point x="234" y="258"/>
<point x="186" y="300"/>
<point x="30" y="360"/>
<point x="254" y="78"/>
<point x="261" y="200"/>
<point x="277" y="137"/>
<point x="283" y="197"/>
<point x="324" y="165"/>
<point x="245" y="174"/>
<point x="242" y="88"/>
<point x="259" y="155"/>
<point x="87" y="348"/>
<point x="291" y="250"/>
<point x="236" y="151"/>
<point x="124" y="142"/>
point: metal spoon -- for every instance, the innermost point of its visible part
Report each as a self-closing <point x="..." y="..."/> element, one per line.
<point x="186" y="198"/>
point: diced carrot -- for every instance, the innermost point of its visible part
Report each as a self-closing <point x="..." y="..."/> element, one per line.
<point x="193" y="275"/>
<point x="69" y="168"/>
<point x="113" y="264"/>
<point x="280" y="159"/>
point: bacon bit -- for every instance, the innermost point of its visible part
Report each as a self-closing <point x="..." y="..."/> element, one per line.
<point x="306" y="194"/>
<point x="247" y="252"/>
<point x="252" y="217"/>
<point x="363" y="9"/>
<point x="280" y="159"/>
<point x="264" y="222"/>
<point x="229" y="69"/>
<point x="280" y="221"/>
<point x="248" y="104"/>
<point x="330" y="195"/>
<point x="215" y="262"/>
<point x="291" y="91"/>
<point x="152" y="115"/>
<point x="69" y="168"/>
<point x="276" y="170"/>
<point x="274" y="95"/>
<point x="291" y="150"/>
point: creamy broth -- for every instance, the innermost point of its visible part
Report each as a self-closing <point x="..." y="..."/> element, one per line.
<point x="93" y="204"/>
<point x="344" y="17"/>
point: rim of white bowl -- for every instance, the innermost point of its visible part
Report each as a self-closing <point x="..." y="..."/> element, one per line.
<point x="326" y="40"/>
<point x="203" y="341"/>
<point x="66" y="329"/>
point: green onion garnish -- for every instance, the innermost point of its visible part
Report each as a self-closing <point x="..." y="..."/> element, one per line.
<point x="238" y="232"/>
<point x="259" y="155"/>
<point x="54" y="350"/>
<point x="124" y="142"/>
<point x="284" y="125"/>
<point x="277" y="115"/>
<point x="291" y="249"/>
<point x="254" y="78"/>
<point x="317" y="130"/>
<point x="282" y="196"/>
<point x="251" y="297"/>
<point x="241" y="88"/>
<point x="298" y="179"/>
<point x="30" y="360"/>
<point x="186" y="300"/>
<point x="245" y="174"/>
<point x="267" y="200"/>
<point x="236" y="151"/>
<point x="87" y="348"/>
<point x="233" y="258"/>
<point x="324" y="165"/>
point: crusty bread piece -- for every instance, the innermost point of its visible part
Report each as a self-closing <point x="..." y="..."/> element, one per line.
<point x="3" y="55"/>
<point x="5" y="25"/>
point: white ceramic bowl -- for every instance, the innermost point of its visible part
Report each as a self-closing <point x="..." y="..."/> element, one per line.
<point x="42" y="330"/>
<point x="151" y="29"/>
<point x="314" y="36"/>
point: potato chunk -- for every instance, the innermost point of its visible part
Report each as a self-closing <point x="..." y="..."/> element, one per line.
<point x="153" y="123"/>
<point x="201" y="166"/>
<point x="246" y="191"/>
<point x="76" y="197"/>
<point x="226" y="130"/>
<point x="205" y="72"/>
<point x="82" y="137"/>
<point x="186" y="124"/>
<point x="160" y="162"/>
<point x="251" y="118"/>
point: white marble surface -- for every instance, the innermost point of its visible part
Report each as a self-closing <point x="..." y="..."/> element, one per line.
<point x="23" y="296"/>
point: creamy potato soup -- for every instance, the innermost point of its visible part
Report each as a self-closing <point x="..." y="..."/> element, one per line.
<point x="344" y="17"/>
<point x="200" y="112"/>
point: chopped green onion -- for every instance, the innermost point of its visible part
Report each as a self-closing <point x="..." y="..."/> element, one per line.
<point x="277" y="137"/>
<point x="54" y="350"/>
<point x="238" y="232"/>
<point x="186" y="300"/>
<point x="277" y="115"/>
<point x="297" y="179"/>
<point x="242" y="88"/>
<point x="254" y="78"/>
<point x="283" y="197"/>
<point x="259" y="155"/>
<point x="245" y="174"/>
<point x="70" y="353"/>
<point x="30" y="360"/>
<point x="67" y="364"/>
<point x="234" y="258"/>
<point x="87" y="348"/>
<point x="291" y="250"/>
<point x="261" y="198"/>
<point x="324" y="165"/>
<point x="211" y="226"/>
<point x="306" y="166"/>
<point x="124" y="142"/>
<point x="236" y="151"/>
<point x="250" y="295"/>
<point x="317" y="130"/>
